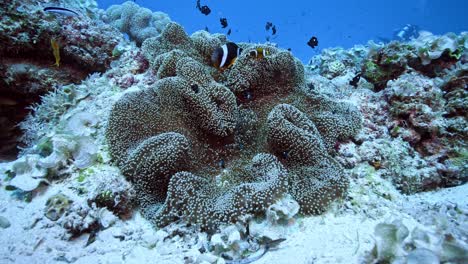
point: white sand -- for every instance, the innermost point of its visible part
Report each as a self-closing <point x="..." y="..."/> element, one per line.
<point x="339" y="236"/>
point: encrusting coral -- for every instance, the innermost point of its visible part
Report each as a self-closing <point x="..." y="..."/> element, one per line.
<point x="428" y="54"/>
<point x="210" y="146"/>
<point x="413" y="96"/>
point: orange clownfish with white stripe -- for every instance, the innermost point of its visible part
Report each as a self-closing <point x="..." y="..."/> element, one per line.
<point x="225" y="56"/>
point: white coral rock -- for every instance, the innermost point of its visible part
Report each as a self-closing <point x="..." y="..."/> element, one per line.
<point x="28" y="173"/>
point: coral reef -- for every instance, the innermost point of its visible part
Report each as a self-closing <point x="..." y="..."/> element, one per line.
<point x="430" y="47"/>
<point x="414" y="120"/>
<point x="428" y="54"/>
<point x="396" y="160"/>
<point x="83" y="41"/>
<point x="334" y="62"/>
<point x="225" y="162"/>
<point x="386" y="63"/>
<point x="26" y="65"/>
<point x="420" y="148"/>
<point x="427" y="117"/>
<point x="196" y="125"/>
<point x="64" y="135"/>
<point x="66" y="111"/>
<point x="137" y="22"/>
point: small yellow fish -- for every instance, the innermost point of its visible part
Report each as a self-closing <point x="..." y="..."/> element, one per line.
<point x="56" y="50"/>
<point x="259" y="53"/>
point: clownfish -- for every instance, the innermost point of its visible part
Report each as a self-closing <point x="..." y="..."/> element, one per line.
<point x="259" y="53"/>
<point x="225" y="56"/>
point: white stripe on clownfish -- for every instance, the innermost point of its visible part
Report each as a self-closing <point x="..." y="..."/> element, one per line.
<point x="225" y="54"/>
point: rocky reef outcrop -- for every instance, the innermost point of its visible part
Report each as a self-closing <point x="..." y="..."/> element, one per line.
<point x="28" y="66"/>
<point x="414" y="99"/>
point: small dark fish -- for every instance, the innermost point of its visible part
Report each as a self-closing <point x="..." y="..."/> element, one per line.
<point x="289" y="49"/>
<point x="224" y="22"/>
<point x="206" y="29"/>
<point x="273" y="29"/>
<point x="313" y="42"/>
<point x="222" y="164"/>
<point x="61" y="10"/>
<point x="355" y="80"/>
<point x="267" y="38"/>
<point x="203" y="9"/>
<point x="195" y="88"/>
<point x="268" y="26"/>
<point x="229" y="32"/>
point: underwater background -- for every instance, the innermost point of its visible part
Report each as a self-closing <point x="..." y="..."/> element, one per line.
<point x="233" y="132"/>
<point x="336" y="23"/>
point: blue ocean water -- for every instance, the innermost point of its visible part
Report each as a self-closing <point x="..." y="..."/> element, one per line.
<point x="334" y="22"/>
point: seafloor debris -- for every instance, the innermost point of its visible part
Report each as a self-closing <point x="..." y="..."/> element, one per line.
<point x="395" y="243"/>
<point x="56" y="206"/>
